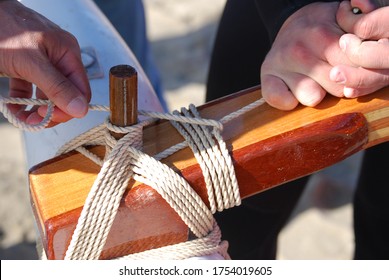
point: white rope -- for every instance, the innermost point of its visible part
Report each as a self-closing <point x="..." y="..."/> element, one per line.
<point x="33" y="102"/>
<point x="104" y="198"/>
<point x="125" y="160"/>
<point x="213" y="157"/>
<point x="101" y="206"/>
<point x="23" y="101"/>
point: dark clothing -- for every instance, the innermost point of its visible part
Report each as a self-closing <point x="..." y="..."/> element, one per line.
<point x="371" y="206"/>
<point x="274" y="13"/>
<point x="242" y="42"/>
<point x="240" y="46"/>
<point x="245" y="34"/>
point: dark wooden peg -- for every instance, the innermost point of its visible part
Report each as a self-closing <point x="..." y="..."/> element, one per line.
<point x="123" y="96"/>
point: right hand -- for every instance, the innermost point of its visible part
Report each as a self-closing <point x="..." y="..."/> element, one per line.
<point x="33" y="50"/>
<point x="366" y="45"/>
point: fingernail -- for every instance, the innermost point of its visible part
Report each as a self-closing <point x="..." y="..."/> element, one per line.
<point x="77" y="107"/>
<point x="343" y="44"/>
<point x="350" y="92"/>
<point x="340" y="78"/>
<point x="337" y="76"/>
<point x="34" y="118"/>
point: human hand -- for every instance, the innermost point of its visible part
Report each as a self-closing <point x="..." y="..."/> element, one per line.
<point x="33" y="50"/>
<point x="298" y="65"/>
<point x="366" y="45"/>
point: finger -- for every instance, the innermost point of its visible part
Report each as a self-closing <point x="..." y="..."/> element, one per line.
<point x="19" y="88"/>
<point x="23" y="115"/>
<point x="31" y="117"/>
<point x="34" y="118"/>
<point x="368" y="54"/>
<point x="276" y="93"/>
<point x="58" y="115"/>
<point x="357" y="92"/>
<point x="363" y="6"/>
<point x="320" y="73"/>
<point x="307" y="91"/>
<point x="359" y="78"/>
<point x="317" y="68"/>
<point x="369" y="5"/>
<point x="70" y="65"/>
<point x="346" y="18"/>
<point x="62" y="92"/>
<point x="54" y="81"/>
<point x="372" y="25"/>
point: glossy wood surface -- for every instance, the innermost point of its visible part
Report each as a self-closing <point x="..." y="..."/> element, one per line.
<point x="268" y="147"/>
<point x="123" y="96"/>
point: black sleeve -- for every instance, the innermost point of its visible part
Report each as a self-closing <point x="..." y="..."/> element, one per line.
<point x="275" y="12"/>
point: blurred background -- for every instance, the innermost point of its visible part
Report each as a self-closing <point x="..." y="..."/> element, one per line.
<point x="181" y="35"/>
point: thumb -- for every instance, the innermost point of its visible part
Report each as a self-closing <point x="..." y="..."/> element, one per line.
<point x="61" y="91"/>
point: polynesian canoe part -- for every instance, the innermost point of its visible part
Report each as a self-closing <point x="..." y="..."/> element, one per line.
<point x="123" y="96"/>
<point x="268" y="146"/>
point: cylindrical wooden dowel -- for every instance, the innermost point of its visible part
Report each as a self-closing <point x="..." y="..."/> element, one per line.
<point x="123" y="96"/>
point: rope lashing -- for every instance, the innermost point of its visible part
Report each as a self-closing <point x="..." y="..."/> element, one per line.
<point x="33" y="102"/>
<point x="125" y="160"/>
<point x="211" y="153"/>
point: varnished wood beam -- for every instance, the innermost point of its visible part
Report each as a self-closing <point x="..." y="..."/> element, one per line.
<point x="268" y="146"/>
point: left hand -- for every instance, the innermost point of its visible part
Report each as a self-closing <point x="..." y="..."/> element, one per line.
<point x="296" y="69"/>
<point x="366" y="46"/>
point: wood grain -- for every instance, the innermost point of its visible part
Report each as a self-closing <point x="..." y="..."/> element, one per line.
<point x="269" y="147"/>
<point x="123" y="96"/>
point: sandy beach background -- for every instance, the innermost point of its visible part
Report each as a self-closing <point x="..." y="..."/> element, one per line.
<point x="181" y="35"/>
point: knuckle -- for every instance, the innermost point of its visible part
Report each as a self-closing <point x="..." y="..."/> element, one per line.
<point x="356" y="56"/>
<point x="269" y="97"/>
<point x="384" y="79"/>
<point x="58" y="88"/>
<point x="356" y="80"/>
<point x="335" y="90"/>
<point x="72" y="40"/>
<point x="360" y="82"/>
<point x="300" y="52"/>
<point x="312" y="99"/>
<point x="364" y="29"/>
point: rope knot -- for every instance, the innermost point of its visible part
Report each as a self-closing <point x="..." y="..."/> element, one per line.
<point x="212" y="154"/>
<point x="135" y="133"/>
<point x="125" y="160"/>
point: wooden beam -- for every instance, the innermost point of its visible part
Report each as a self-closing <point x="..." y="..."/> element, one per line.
<point x="269" y="147"/>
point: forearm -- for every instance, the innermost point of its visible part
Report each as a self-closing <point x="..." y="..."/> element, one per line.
<point x="275" y="12"/>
